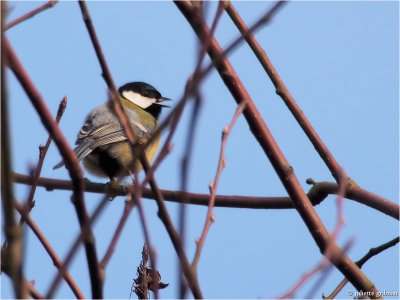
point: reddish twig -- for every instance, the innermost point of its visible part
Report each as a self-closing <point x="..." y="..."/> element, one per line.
<point x="53" y="255"/>
<point x="71" y="163"/>
<point x="214" y="185"/>
<point x="275" y="155"/>
<point x="371" y="253"/>
<point x="42" y="154"/>
<point x="30" y="14"/>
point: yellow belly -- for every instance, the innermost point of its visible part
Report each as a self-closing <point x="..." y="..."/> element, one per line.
<point x="121" y="153"/>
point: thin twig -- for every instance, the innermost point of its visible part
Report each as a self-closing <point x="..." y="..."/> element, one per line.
<point x="49" y="249"/>
<point x="214" y="185"/>
<point x="30" y="14"/>
<point x="42" y="154"/>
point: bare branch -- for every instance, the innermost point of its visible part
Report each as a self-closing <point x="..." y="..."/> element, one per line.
<point x="71" y="163"/>
<point x="42" y="154"/>
<point x="275" y="155"/>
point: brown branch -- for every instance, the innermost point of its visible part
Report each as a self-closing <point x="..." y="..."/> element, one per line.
<point x="12" y="255"/>
<point x="30" y="14"/>
<point x="284" y="93"/>
<point x="371" y="253"/>
<point x="276" y="157"/>
<point x="53" y="255"/>
<point x="70" y="160"/>
<point x="214" y="185"/>
<point x="317" y="194"/>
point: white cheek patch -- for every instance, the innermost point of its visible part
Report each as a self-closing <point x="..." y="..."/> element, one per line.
<point x="138" y="99"/>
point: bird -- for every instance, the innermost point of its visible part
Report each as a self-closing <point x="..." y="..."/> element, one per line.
<point x="102" y="145"/>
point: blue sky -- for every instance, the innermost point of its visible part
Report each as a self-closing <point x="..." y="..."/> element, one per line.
<point x="340" y="61"/>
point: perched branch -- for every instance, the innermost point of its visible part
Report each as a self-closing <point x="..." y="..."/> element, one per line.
<point x="276" y="157"/>
<point x="317" y="194"/>
<point x="30" y="14"/>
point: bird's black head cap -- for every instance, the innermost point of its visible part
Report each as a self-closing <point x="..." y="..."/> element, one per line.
<point x="146" y="90"/>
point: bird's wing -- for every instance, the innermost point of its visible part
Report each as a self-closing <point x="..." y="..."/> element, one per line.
<point x="89" y="140"/>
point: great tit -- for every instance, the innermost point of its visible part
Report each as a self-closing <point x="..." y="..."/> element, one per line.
<point x="102" y="144"/>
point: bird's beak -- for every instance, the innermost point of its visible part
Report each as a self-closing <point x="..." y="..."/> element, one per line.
<point x="162" y="99"/>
